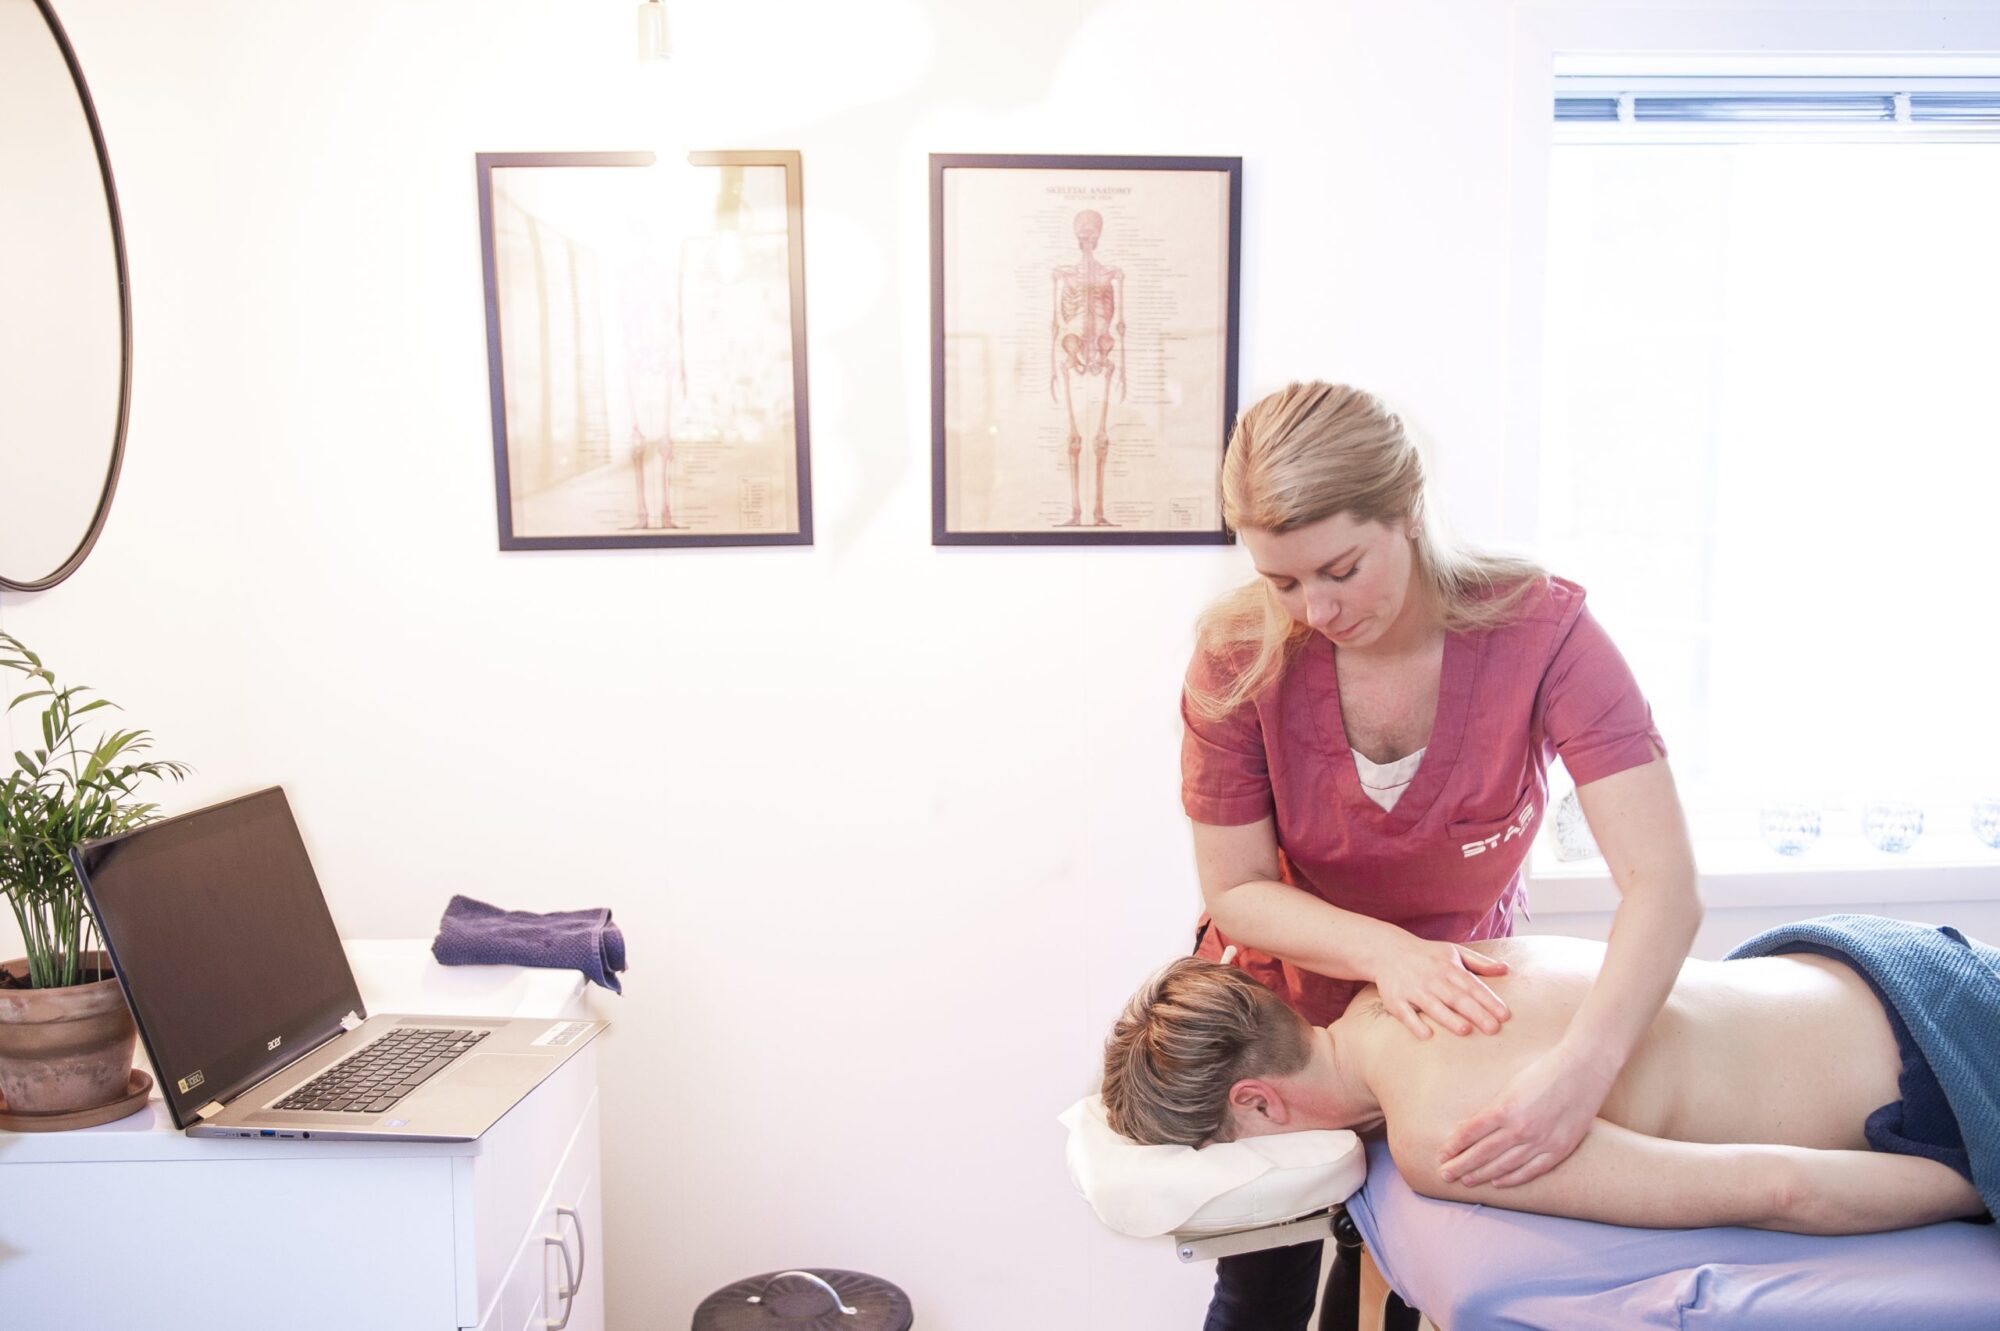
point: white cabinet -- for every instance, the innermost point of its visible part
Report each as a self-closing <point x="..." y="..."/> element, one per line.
<point x="136" y="1224"/>
<point x="555" y="1276"/>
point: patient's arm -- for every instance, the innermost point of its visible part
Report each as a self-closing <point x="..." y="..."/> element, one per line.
<point x="1623" y="1177"/>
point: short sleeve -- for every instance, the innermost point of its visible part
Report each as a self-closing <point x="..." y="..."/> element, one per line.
<point x="1592" y="709"/>
<point x="1225" y="772"/>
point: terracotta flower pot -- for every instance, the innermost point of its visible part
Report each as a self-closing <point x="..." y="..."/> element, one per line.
<point x="64" y="1049"/>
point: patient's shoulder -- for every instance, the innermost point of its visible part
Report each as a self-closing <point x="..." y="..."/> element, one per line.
<point x="1366" y="1007"/>
<point x="1414" y="1143"/>
<point x="1424" y="1086"/>
<point x="1428" y="1087"/>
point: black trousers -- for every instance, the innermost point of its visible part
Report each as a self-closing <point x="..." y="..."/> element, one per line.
<point x="1272" y="1290"/>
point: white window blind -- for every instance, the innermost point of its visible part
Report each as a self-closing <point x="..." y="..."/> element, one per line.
<point x="1773" y="106"/>
<point x="1771" y="447"/>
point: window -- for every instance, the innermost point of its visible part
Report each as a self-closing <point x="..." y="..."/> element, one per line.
<point x="1771" y="448"/>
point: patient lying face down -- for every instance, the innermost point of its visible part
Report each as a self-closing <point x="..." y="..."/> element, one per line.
<point x="1748" y="1102"/>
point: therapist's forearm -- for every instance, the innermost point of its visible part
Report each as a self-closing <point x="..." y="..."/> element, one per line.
<point x="1650" y="936"/>
<point x="1298" y="927"/>
<point x="1636" y="816"/>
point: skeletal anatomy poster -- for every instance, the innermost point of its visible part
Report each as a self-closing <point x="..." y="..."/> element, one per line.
<point x="1083" y="347"/>
<point x="646" y="344"/>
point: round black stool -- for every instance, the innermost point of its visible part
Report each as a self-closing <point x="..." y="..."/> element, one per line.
<point x="816" y="1300"/>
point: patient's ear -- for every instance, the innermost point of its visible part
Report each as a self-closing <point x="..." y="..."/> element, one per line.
<point x="1257" y="1107"/>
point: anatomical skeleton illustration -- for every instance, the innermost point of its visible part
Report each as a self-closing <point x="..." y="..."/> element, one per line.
<point x="1087" y="354"/>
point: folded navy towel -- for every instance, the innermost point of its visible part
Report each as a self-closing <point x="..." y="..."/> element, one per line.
<point x="473" y="933"/>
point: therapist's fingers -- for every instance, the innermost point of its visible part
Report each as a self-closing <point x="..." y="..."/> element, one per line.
<point x="1479" y="963"/>
<point x="1486" y="1162"/>
<point x="1477" y="1154"/>
<point x="1447" y="1009"/>
<point x="1459" y="1014"/>
<point x="1479" y="1004"/>
<point x="1414" y="1019"/>
<point x="1474" y="1134"/>
<point x="1537" y="1165"/>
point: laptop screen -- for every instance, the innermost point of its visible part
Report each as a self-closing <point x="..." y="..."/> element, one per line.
<point x="223" y="943"/>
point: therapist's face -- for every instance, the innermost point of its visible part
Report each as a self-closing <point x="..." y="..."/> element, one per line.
<point x="1349" y="580"/>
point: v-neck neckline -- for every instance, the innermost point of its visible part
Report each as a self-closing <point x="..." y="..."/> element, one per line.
<point x="1456" y="673"/>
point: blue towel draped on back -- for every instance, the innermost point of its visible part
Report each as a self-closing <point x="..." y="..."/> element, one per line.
<point x="473" y="933"/>
<point x="1946" y="988"/>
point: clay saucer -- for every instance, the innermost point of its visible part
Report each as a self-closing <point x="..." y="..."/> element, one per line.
<point x="136" y="1090"/>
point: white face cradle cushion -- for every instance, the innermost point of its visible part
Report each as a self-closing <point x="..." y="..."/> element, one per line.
<point x="1146" y="1191"/>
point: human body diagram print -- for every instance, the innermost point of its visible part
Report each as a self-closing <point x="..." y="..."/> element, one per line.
<point x="1083" y="348"/>
<point x="1087" y="352"/>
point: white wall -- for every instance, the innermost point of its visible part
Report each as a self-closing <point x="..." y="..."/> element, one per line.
<point x="891" y="830"/>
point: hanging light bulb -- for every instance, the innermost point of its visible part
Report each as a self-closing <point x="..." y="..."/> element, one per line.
<point x="654" y="42"/>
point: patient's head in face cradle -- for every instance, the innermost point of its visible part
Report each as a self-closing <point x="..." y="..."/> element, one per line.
<point x="1201" y="1054"/>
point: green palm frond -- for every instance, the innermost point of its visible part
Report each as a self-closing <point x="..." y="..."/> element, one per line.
<point x="71" y="789"/>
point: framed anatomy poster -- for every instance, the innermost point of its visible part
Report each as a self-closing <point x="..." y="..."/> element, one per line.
<point x="1083" y="347"/>
<point x="645" y="338"/>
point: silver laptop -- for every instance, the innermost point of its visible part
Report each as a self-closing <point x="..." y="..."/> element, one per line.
<point x="249" y="1010"/>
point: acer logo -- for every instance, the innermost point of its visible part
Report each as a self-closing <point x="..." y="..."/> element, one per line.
<point x="275" y="1042"/>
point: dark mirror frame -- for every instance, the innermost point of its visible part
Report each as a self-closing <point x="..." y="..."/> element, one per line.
<point x="89" y="540"/>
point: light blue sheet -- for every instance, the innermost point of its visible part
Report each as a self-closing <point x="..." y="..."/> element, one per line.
<point x="1477" y="1268"/>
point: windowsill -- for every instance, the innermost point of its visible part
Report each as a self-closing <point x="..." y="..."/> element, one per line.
<point x="1744" y="878"/>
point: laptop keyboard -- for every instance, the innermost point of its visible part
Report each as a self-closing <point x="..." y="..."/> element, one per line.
<point x="374" y="1079"/>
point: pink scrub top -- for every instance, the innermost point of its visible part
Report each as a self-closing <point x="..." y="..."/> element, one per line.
<point x="1446" y="862"/>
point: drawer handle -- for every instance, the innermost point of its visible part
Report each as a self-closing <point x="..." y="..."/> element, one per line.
<point x="831" y="1292"/>
<point x="568" y="1291"/>
<point x="582" y="1253"/>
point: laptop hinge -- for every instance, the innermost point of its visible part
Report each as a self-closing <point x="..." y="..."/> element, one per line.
<point x="208" y="1111"/>
<point x="350" y="1022"/>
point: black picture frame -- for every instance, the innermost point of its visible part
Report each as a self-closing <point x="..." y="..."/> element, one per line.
<point x="1082" y="293"/>
<point x="797" y="475"/>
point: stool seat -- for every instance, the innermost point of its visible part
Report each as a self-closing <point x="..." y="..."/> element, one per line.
<point x="819" y="1299"/>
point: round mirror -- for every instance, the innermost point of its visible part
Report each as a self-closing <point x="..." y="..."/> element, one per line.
<point x="65" y="322"/>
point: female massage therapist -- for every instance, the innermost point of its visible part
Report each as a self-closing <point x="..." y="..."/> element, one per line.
<point x="1368" y="731"/>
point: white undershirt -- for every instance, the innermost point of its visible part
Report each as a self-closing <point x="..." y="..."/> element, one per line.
<point x="1386" y="782"/>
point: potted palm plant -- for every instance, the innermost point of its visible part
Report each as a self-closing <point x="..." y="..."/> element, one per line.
<point x="66" y="1038"/>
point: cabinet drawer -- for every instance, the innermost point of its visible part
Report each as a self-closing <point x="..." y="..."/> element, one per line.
<point x="517" y="1297"/>
<point x="358" y="1235"/>
<point x="505" y="1186"/>
<point x="564" y="1245"/>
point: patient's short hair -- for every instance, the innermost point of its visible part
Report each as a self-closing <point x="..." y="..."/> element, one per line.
<point x="1193" y="1031"/>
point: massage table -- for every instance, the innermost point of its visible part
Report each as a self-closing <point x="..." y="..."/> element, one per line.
<point x="1480" y="1268"/>
<point x="1475" y="1268"/>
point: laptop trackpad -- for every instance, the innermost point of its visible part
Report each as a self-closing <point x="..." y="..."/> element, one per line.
<point x="500" y="1072"/>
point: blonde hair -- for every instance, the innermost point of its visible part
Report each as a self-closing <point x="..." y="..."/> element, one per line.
<point x="1304" y="454"/>
<point x="1193" y="1031"/>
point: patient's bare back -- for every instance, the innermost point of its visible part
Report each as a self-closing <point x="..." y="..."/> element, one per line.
<point x="1744" y="1105"/>
<point x="1790" y="1050"/>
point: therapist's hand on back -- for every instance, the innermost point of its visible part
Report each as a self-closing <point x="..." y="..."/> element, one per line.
<point x="1538" y="1118"/>
<point x="1420" y="978"/>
